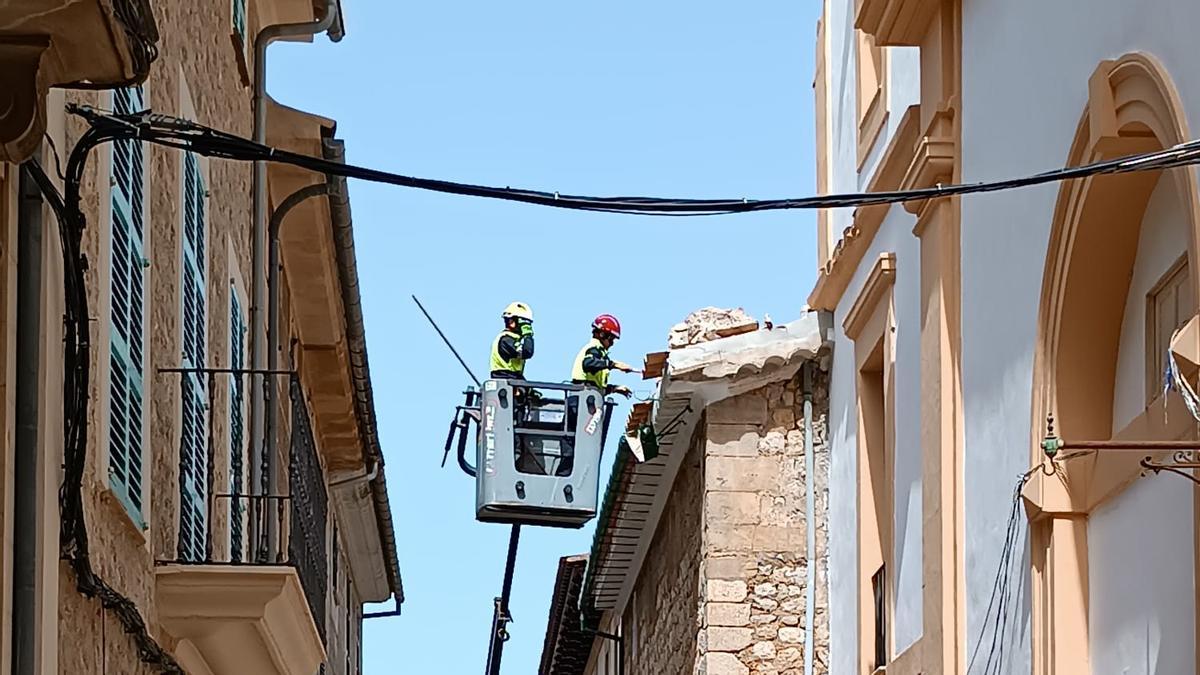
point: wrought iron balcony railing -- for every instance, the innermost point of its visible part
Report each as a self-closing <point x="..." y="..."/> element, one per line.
<point x="226" y="518"/>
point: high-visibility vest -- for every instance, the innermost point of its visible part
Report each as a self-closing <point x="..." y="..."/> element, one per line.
<point x="597" y="379"/>
<point x="515" y="364"/>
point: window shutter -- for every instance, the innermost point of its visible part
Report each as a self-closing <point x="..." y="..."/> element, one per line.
<point x="127" y="263"/>
<point x="239" y="20"/>
<point x="193" y="460"/>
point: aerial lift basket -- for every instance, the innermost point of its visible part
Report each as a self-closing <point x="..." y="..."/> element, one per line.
<point x="538" y="451"/>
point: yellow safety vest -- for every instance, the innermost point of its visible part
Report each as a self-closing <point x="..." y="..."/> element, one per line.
<point x="516" y="365"/>
<point x="598" y="379"/>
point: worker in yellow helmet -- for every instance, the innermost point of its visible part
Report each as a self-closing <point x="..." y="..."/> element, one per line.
<point x="512" y="348"/>
<point x="514" y="345"/>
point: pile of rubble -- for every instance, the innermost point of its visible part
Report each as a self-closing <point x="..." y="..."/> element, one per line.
<point x="710" y="323"/>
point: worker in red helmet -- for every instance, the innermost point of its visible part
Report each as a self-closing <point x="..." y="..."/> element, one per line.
<point x="591" y="369"/>
<point x="593" y="364"/>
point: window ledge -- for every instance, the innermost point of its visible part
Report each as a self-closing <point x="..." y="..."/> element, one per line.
<point x="116" y="506"/>
<point x="872" y="124"/>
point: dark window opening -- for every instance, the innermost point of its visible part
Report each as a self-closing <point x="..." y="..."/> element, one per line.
<point x="879" y="590"/>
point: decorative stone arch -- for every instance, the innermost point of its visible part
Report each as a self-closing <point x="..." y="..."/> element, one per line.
<point x="1132" y="107"/>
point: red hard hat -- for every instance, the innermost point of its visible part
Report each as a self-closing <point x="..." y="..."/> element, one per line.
<point x="607" y="323"/>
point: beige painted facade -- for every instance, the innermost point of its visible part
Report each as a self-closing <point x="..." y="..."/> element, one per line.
<point x="215" y="597"/>
<point x="963" y="324"/>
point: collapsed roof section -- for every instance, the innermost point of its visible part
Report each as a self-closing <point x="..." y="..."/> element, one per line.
<point x="706" y="369"/>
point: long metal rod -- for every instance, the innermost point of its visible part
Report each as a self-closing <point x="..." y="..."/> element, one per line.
<point x="810" y="562"/>
<point x="225" y="371"/>
<point x="447" y="341"/>
<point x="620" y="642"/>
<point x="500" y="614"/>
<point x="502" y="617"/>
<point x="25" y="456"/>
<point x="1129" y="446"/>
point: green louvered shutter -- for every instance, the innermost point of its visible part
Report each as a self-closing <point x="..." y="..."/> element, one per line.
<point x="126" y="325"/>
<point x="237" y="429"/>
<point x="193" y="452"/>
<point x="239" y="20"/>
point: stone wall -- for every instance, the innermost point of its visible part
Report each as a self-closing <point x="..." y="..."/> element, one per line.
<point x="722" y="588"/>
<point x="196" y="56"/>
<point x="662" y="618"/>
<point x="754" y="542"/>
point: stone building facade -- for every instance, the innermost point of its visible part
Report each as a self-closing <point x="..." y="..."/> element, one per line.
<point x="722" y="577"/>
<point x="203" y="562"/>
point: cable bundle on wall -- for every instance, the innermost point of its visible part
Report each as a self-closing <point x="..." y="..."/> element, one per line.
<point x="73" y="537"/>
<point x="1000" y="605"/>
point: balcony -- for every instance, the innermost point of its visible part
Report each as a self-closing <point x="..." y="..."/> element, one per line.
<point x="56" y="43"/>
<point x="248" y="594"/>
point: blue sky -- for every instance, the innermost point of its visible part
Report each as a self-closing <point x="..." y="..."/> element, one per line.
<point x="666" y="98"/>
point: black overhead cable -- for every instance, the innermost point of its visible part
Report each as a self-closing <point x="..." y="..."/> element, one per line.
<point x="187" y="135"/>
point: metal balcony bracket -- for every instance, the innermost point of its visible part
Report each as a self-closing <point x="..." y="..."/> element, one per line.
<point x="1182" y="463"/>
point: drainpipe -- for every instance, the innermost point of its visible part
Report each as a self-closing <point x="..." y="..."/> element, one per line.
<point x="810" y="528"/>
<point x="259" y="458"/>
<point x="356" y="340"/>
<point x="25" y="460"/>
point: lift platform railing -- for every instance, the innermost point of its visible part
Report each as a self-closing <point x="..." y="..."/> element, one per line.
<point x="227" y="519"/>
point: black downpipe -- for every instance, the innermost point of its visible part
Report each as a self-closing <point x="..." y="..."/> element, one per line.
<point x="25" y="461"/>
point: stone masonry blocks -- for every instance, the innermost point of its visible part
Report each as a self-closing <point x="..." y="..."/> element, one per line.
<point x="728" y="614"/>
<point x="723" y="587"/>
<point x="726" y="591"/>
<point x="755" y="528"/>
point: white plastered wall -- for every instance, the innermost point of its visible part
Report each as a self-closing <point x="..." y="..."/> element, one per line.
<point x="1140" y="545"/>
<point x="894" y="236"/>
<point x="1141" y="607"/>
<point x="1161" y="242"/>
<point x="1026" y="65"/>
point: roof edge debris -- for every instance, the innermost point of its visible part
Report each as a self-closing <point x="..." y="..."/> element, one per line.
<point x="750" y="353"/>
<point x="694" y="377"/>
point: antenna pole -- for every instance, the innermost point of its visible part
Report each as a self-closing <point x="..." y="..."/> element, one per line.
<point x="447" y="341"/>
<point x="501" y="616"/>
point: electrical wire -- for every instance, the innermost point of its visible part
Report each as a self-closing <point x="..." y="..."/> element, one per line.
<point x="999" y="608"/>
<point x="186" y="135"/>
<point x="73" y="537"/>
